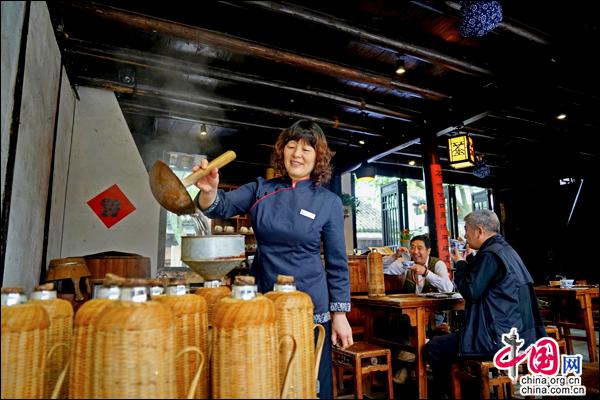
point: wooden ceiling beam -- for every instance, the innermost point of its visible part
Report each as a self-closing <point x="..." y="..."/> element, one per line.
<point x="132" y="107"/>
<point x="169" y="64"/>
<point x="336" y="24"/>
<point x="198" y="35"/>
<point x="145" y="90"/>
<point x="439" y="133"/>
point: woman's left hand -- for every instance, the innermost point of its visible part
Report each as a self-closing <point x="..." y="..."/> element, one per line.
<point x="341" y="330"/>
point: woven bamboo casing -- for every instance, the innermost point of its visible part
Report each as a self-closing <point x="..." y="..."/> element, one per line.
<point x="191" y="329"/>
<point x="25" y="329"/>
<point x="376" y="283"/>
<point x="244" y="355"/>
<point x="294" y="311"/>
<point x="134" y="355"/>
<point x="82" y="354"/>
<point x="60" y="313"/>
<point x="212" y="295"/>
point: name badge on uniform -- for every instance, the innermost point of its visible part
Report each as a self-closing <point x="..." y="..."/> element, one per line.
<point x="307" y="214"/>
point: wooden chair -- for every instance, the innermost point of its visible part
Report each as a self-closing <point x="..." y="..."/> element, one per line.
<point x="552" y="331"/>
<point x="362" y="359"/>
<point x="589" y="379"/>
<point x="485" y="374"/>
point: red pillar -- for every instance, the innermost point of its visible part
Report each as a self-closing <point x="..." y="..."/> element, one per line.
<point x="434" y="190"/>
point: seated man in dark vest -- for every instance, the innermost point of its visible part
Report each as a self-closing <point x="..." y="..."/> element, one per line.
<point x="428" y="273"/>
<point x="498" y="293"/>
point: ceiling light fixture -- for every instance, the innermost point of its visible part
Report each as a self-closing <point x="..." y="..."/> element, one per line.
<point x="203" y="130"/>
<point x="365" y="173"/>
<point x="400" y="66"/>
<point x="412" y="162"/>
<point x="561" y="116"/>
<point x="127" y="76"/>
<point x="361" y="142"/>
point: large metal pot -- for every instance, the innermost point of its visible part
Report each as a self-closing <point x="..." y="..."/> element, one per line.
<point x="213" y="256"/>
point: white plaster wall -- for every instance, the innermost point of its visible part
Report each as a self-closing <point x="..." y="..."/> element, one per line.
<point x="33" y="154"/>
<point x="103" y="153"/>
<point x="64" y="133"/>
<point x="12" y="23"/>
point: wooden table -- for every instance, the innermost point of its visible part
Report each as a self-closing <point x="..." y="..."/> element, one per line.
<point x="418" y="309"/>
<point x="584" y="296"/>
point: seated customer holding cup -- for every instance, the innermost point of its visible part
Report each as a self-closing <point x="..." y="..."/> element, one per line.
<point x="417" y="270"/>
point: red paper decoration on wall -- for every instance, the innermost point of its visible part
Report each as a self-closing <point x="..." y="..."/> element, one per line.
<point x="111" y="206"/>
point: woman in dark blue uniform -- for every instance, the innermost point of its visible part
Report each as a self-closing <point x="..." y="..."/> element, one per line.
<point x="291" y="215"/>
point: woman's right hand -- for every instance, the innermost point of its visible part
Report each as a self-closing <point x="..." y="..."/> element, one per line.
<point x="207" y="184"/>
<point x="210" y="182"/>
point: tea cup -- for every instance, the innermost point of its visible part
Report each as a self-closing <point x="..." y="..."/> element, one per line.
<point x="566" y="283"/>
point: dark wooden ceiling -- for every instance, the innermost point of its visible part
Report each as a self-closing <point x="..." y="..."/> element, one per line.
<point x="249" y="69"/>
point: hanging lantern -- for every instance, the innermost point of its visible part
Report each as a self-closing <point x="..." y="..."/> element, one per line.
<point x="461" y="152"/>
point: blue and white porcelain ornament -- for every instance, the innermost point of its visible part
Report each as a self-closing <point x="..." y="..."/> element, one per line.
<point x="477" y="18"/>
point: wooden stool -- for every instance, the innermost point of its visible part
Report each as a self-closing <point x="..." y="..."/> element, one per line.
<point x="487" y="375"/>
<point x="363" y="359"/>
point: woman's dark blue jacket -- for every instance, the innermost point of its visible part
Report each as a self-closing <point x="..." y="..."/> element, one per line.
<point x="290" y="220"/>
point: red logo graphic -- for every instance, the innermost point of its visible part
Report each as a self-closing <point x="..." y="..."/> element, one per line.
<point x="543" y="356"/>
<point x="111" y="206"/>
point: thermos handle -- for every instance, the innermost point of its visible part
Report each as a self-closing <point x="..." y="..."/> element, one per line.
<point x="194" y="384"/>
<point x="319" y="348"/>
<point x="63" y="373"/>
<point x="286" y="380"/>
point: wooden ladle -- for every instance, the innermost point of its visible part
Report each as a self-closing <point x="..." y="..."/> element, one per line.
<point x="170" y="191"/>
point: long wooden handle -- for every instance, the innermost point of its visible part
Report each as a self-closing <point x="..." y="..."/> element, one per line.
<point x="218" y="162"/>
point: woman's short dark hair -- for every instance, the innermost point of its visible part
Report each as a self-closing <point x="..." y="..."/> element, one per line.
<point x="423" y="238"/>
<point x="312" y="134"/>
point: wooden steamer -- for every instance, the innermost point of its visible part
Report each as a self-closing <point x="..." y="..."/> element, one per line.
<point x="191" y="329"/>
<point x="127" y="265"/>
<point x="244" y="356"/>
<point x="82" y="355"/>
<point x="69" y="272"/>
<point x="25" y="330"/>
<point x="135" y="347"/>
<point x="60" y="335"/>
<point x="294" y="314"/>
